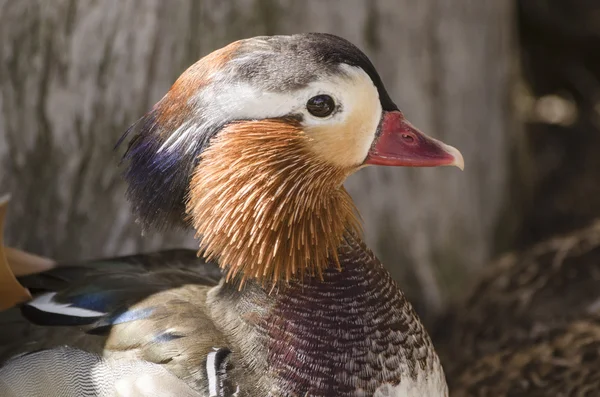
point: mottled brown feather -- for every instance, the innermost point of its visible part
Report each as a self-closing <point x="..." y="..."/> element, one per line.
<point x="531" y="325"/>
<point x="265" y="206"/>
<point x="565" y="363"/>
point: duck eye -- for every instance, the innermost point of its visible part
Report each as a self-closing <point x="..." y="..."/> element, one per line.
<point x="320" y="105"/>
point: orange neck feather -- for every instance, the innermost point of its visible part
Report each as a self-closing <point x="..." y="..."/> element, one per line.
<point x="265" y="206"/>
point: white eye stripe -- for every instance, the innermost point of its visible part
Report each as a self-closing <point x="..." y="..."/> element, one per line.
<point x="177" y="137"/>
<point x="225" y="101"/>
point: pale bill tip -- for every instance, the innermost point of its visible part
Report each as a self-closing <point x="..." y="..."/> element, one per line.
<point x="459" y="161"/>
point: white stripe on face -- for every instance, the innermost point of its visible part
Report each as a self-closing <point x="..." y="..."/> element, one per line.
<point x="344" y="137"/>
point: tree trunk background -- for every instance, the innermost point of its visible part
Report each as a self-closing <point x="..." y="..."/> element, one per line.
<point x="75" y="73"/>
<point x="560" y="52"/>
<point x="504" y="334"/>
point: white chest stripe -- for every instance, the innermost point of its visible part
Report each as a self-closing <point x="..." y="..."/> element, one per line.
<point x="211" y="372"/>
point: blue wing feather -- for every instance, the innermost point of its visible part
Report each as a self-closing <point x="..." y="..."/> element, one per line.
<point x="99" y="294"/>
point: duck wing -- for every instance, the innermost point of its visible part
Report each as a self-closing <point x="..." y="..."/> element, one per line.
<point x="143" y="309"/>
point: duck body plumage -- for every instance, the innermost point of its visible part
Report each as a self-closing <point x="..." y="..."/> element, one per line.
<point x="352" y="334"/>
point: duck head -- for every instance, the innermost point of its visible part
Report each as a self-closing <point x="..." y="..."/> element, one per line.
<point x="251" y="146"/>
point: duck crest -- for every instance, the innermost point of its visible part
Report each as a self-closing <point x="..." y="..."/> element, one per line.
<point x="267" y="208"/>
<point x="159" y="162"/>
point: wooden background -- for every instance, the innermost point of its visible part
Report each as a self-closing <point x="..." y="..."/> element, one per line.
<point x="75" y="73"/>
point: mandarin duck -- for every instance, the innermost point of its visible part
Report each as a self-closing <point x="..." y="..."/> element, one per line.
<point x="250" y="147"/>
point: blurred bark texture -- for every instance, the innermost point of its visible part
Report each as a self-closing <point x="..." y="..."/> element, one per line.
<point x="504" y="337"/>
<point x="560" y="50"/>
<point x="75" y="73"/>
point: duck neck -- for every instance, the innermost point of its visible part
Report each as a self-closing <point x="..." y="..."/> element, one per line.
<point x="351" y="330"/>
